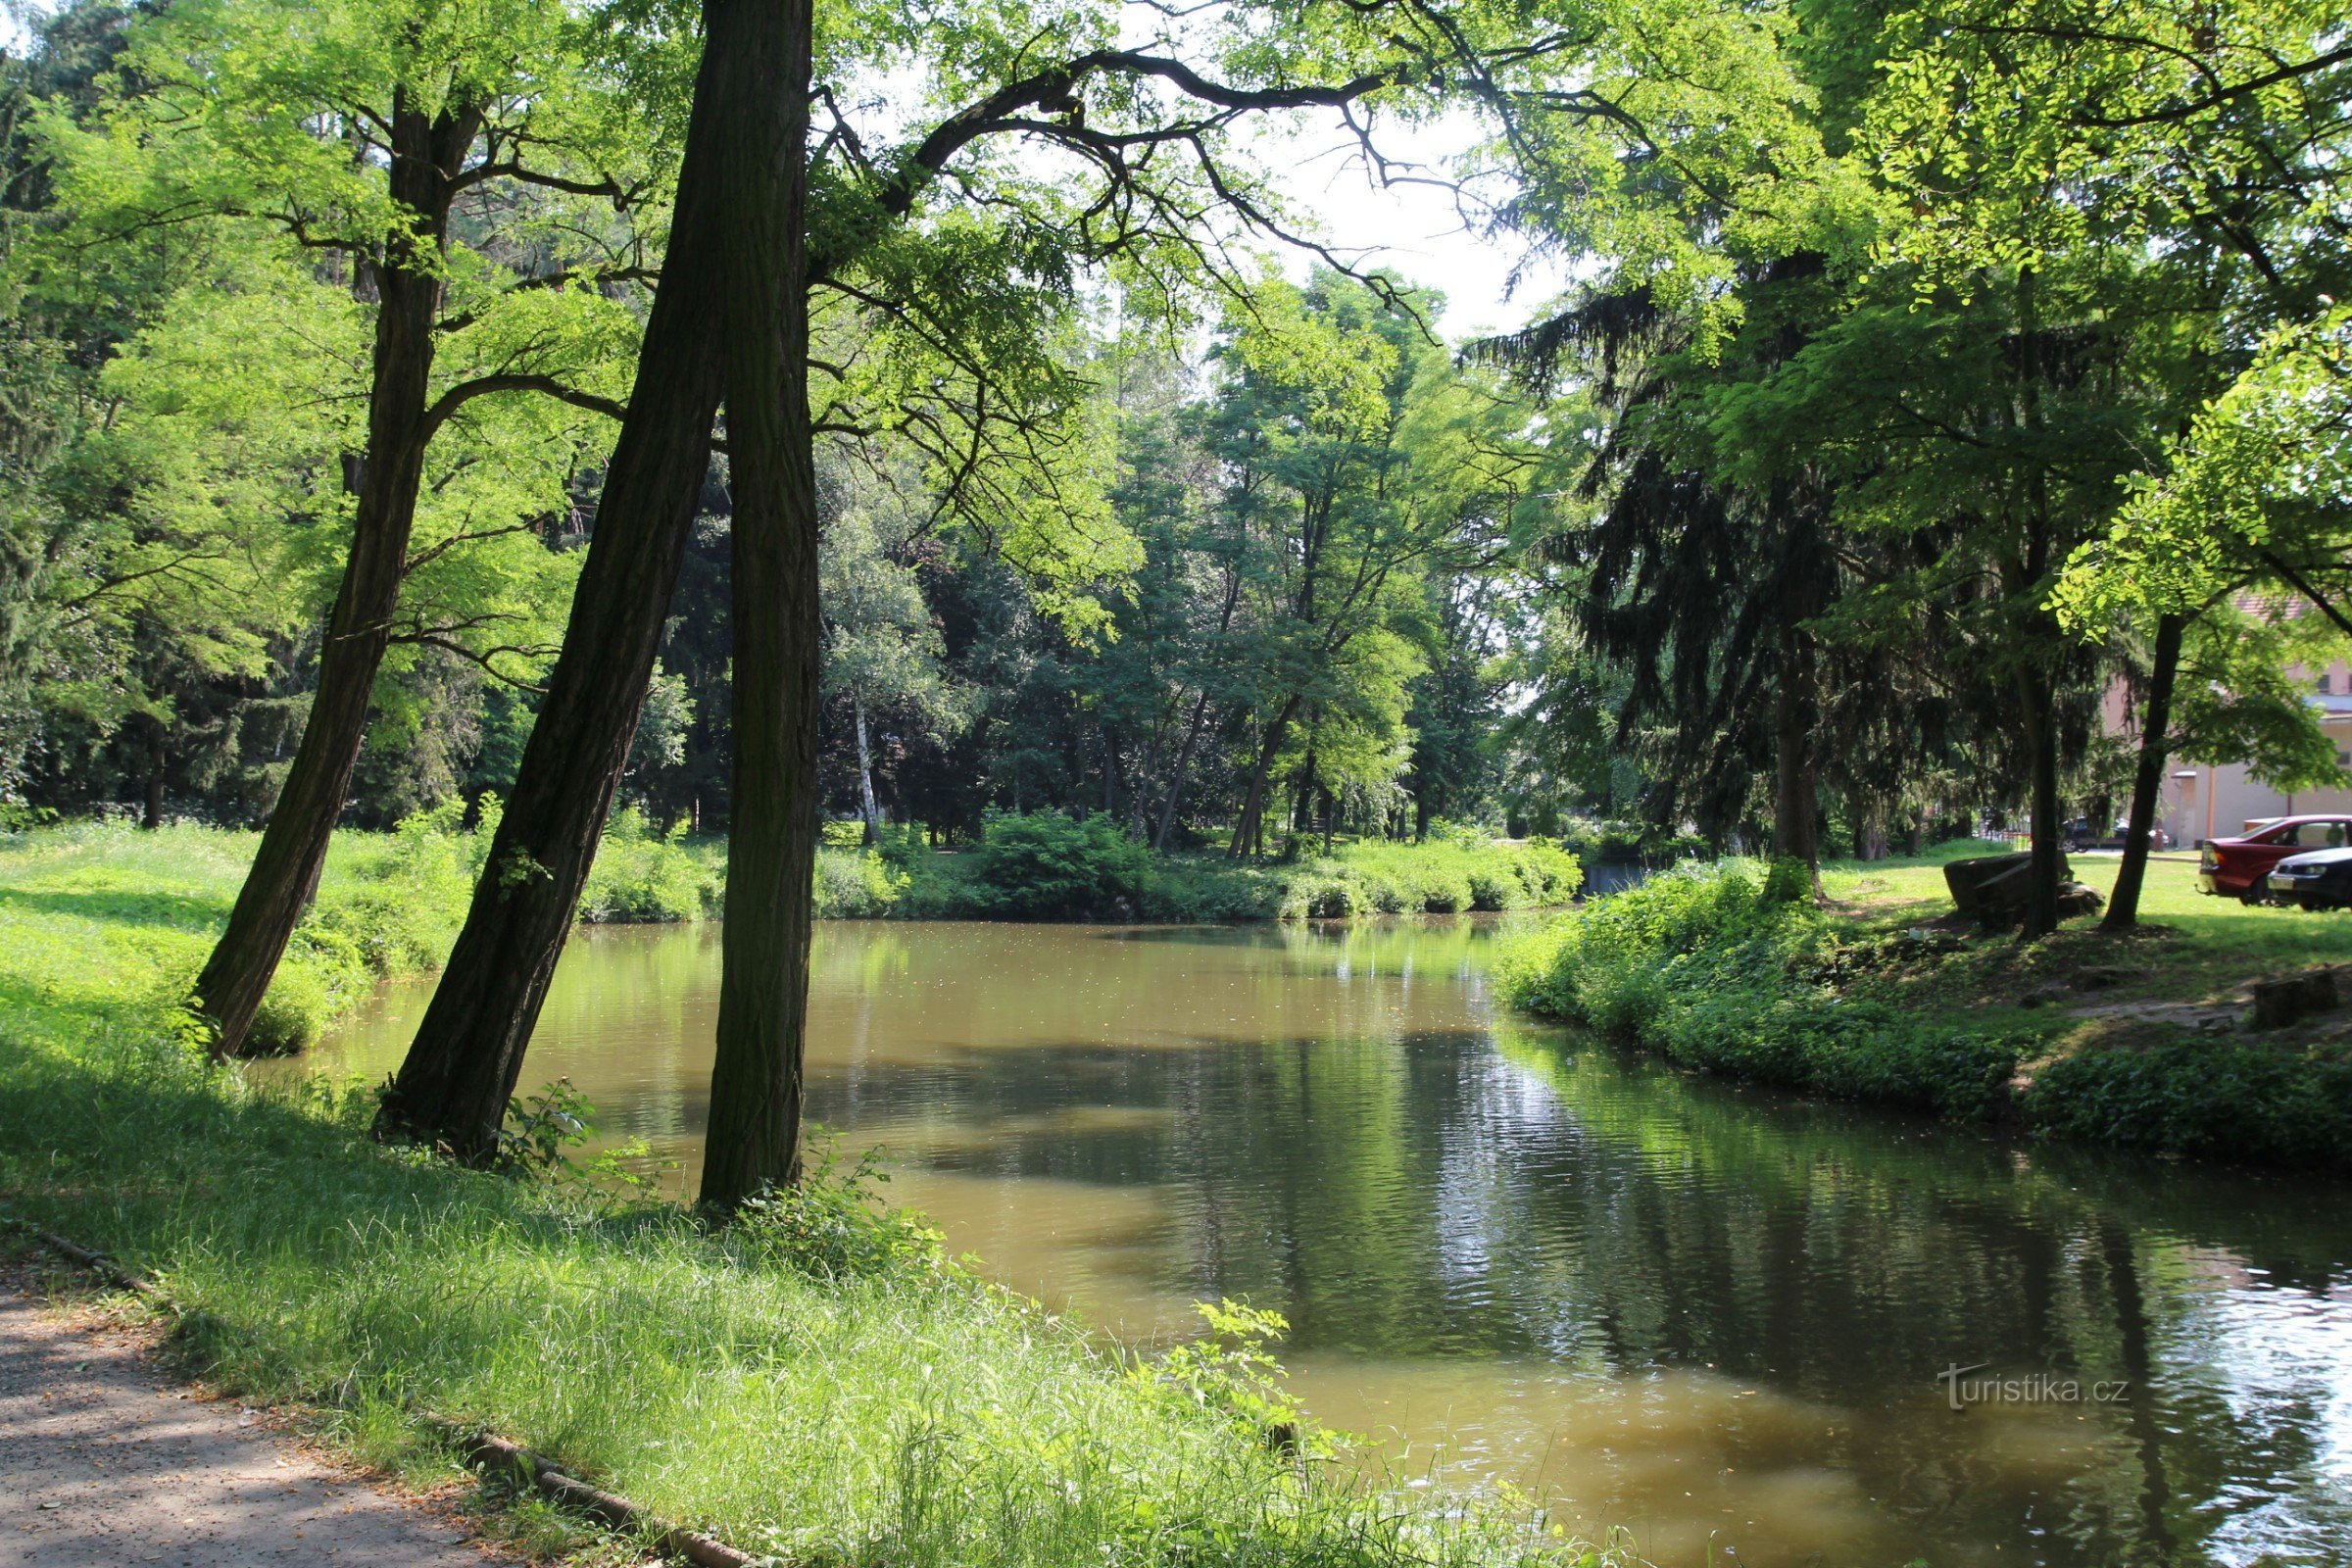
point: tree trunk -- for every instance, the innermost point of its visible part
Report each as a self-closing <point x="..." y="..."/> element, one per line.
<point x="293" y="848"/>
<point x="1184" y="762"/>
<point x="2147" y="781"/>
<point x="866" y="771"/>
<point x="2039" y="708"/>
<point x="462" y="1066"/>
<point x="2037" y="687"/>
<point x="1192" y="730"/>
<point x="755" y="1134"/>
<point x="1247" y="830"/>
<point x="159" y="736"/>
<point x="1794" y="810"/>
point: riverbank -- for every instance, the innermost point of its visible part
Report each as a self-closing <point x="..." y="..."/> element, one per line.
<point x="98" y="917"/>
<point x="1046" y="866"/>
<point x="817" y="1382"/>
<point x="2138" y="1039"/>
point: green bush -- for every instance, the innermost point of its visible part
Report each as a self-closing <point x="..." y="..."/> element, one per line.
<point x="1199" y="888"/>
<point x="856" y="885"/>
<point x="2203" y="1095"/>
<point x="1044" y="866"/>
<point x="644" y="876"/>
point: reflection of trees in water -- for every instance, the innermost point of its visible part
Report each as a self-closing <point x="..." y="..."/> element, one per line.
<point x="1349" y="1145"/>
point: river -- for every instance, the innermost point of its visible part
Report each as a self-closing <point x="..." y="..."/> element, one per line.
<point x="1715" y="1316"/>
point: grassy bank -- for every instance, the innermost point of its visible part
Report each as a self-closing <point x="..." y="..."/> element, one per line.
<point x="2134" y="1040"/>
<point x="817" y="1383"/>
<point x="1050" y="868"/>
<point x="100" y="921"/>
<point x="99" y="916"/>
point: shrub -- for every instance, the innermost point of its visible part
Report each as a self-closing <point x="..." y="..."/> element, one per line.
<point x="294" y="1012"/>
<point x="856" y="885"/>
<point x="1193" y="888"/>
<point x="2199" y="1094"/>
<point x="1319" y="897"/>
<point x="1044" y="866"/>
<point x="1707" y="964"/>
<point x="641" y="875"/>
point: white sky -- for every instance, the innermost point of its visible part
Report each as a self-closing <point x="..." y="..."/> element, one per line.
<point x="1411" y="228"/>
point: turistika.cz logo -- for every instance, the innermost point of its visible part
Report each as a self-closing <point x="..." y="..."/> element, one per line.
<point x="1963" y="1390"/>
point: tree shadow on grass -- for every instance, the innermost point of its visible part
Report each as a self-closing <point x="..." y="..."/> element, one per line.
<point x="178" y="911"/>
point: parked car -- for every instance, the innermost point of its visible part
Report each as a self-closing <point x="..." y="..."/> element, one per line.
<point x="2240" y="868"/>
<point x="2318" y="880"/>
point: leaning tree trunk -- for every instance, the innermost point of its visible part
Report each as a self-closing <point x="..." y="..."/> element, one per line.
<point x="1248" y="830"/>
<point x="462" y="1068"/>
<point x="293" y="848"/>
<point x="2147" y="781"/>
<point x="754" y="1131"/>
<point x="1176" y="772"/>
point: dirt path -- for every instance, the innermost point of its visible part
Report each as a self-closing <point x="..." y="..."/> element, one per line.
<point x="105" y="1461"/>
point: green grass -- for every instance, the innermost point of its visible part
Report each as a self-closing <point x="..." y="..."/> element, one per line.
<point x="1046" y="866"/>
<point x="102" y="920"/>
<point x="817" y="1383"/>
<point x="2082" y="1033"/>
<point x="2193" y="947"/>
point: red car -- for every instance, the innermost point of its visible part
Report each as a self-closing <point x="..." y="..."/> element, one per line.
<point x="2239" y="869"/>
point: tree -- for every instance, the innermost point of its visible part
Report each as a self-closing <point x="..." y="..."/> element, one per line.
<point x="363" y="140"/>
<point x="2207" y="140"/>
<point x="881" y="649"/>
<point x="1148" y="137"/>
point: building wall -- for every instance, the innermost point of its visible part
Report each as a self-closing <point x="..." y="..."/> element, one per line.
<point x="2202" y="801"/>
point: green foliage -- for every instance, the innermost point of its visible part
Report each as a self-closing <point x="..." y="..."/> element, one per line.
<point x="833" y="1225"/>
<point x="1451" y="875"/>
<point x="539" y="1127"/>
<point x="1044" y="866"/>
<point x="644" y="876"/>
<point x="856" y="885"/>
<point x="1232" y="1371"/>
<point x="2205" y="1095"/>
<point x="1048" y="866"/>
<point x="1715" y="966"/>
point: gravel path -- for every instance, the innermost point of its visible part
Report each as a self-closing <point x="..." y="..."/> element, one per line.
<point x="105" y="1461"/>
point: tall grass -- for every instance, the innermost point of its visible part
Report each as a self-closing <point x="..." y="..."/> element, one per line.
<point x="830" y="1402"/>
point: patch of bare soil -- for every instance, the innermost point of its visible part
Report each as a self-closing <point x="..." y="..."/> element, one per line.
<point x="106" y="1459"/>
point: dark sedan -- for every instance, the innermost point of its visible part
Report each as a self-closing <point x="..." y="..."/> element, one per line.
<point x="2318" y="880"/>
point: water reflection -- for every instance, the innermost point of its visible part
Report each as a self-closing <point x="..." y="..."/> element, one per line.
<point x="1712" y="1315"/>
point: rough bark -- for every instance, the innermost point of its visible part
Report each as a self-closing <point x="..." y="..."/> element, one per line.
<point x="229" y="992"/>
<point x="755" y="1128"/>
<point x="2147" y="779"/>
<point x="2038" y="708"/>
<point x="1795" y="812"/>
<point x="462" y="1069"/>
